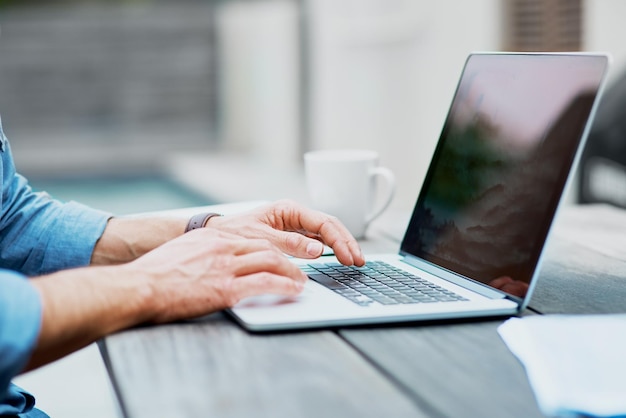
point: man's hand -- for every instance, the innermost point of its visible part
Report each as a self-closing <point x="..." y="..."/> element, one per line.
<point x="296" y="230"/>
<point x="207" y="270"/>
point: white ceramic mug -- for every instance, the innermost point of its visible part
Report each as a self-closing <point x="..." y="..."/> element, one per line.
<point x="343" y="183"/>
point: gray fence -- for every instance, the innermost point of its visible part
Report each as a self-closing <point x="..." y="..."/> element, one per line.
<point x="87" y="70"/>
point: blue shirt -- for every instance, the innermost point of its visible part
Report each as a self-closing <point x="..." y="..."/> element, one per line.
<point x="38" y="235"/>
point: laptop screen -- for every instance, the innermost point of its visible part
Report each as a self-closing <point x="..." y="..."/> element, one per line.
<point x="501" y="164"/>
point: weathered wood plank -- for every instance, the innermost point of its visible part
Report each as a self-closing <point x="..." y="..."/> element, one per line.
<point x="575" y="279"/>
<point x="213" y="368"/>
<point x="452" y="370"/>
<point x="600" y="228"/>
<point x="584" y="271"/>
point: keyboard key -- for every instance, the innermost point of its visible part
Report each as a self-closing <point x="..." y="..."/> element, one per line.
<point x="326" y="281"/>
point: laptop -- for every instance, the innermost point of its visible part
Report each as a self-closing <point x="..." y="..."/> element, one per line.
<point x="474" y="243"/>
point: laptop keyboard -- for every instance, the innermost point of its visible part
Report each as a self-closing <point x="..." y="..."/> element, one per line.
<point x="378" y="282"/>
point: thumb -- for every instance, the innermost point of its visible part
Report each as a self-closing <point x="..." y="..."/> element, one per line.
<point x="298" y="245"/>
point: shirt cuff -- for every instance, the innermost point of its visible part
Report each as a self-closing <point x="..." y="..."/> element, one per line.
<point x="82" y="228"/>
<point x="20" y="323"/>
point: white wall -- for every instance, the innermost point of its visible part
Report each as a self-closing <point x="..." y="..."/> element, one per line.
<point x="384" y="71"/>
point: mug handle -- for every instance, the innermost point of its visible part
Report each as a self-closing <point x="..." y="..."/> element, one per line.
<point x="387" y="175"/>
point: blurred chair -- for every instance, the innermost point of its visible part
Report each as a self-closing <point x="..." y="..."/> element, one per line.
<point x="602" y="172"/>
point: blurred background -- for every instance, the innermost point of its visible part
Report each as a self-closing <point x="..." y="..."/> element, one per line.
<point x="144" y="105"/>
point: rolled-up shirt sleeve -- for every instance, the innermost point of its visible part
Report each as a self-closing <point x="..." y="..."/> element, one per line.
<point x="20" y="322"/>
<point x="39" y="234"/>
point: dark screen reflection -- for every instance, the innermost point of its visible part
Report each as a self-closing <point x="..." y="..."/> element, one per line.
<point x="501" y="165"/>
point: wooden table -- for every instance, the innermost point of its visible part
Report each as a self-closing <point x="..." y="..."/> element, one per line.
<point x="212" y="368"/>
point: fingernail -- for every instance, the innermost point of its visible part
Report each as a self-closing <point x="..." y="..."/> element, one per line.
<point x="314" y="248"/>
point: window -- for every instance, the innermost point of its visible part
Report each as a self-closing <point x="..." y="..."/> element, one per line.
<point x="539" y="25"/>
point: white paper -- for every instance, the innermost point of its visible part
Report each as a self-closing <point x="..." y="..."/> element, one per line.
<point x="576" y="364"/>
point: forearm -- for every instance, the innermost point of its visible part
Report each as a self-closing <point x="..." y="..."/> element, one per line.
<point x="83" y="305"/>
<point x="126" y="239"/>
